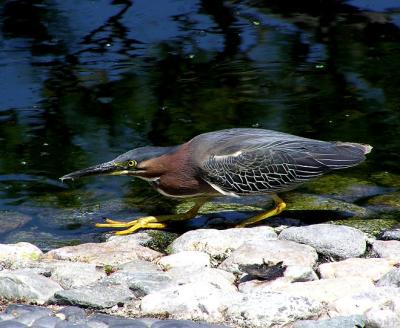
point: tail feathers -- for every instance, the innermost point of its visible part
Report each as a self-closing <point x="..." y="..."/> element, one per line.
<point x="347" y="154"/>
<point x="364" y="147"/>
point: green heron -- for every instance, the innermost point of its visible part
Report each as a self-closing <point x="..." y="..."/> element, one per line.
<point x="233" y="162"/>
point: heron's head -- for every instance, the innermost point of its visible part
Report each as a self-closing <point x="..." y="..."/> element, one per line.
<point x="134" y="162"/>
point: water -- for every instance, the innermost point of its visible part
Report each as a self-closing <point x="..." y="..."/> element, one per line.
<point x="83" y="81"/>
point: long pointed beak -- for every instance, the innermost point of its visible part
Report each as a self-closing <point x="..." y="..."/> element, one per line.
<point x="108" y="168"/>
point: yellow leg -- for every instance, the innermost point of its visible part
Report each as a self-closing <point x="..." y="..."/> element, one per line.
<point x="151" y="222"/>
<point x="279" y="207"/>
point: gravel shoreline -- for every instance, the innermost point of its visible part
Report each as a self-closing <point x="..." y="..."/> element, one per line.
<point x="321" y="275"/>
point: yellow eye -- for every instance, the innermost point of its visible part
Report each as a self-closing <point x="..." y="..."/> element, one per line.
<point x="132" y="163"/>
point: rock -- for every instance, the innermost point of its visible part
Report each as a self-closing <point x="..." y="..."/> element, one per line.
<point x="26" y="314"/>
<point x="387" y="202"/>
<point x="361" y="302"/>
<point x="138" y="266"/>
<point x="348" y="189"/>
<point x="182" y="324"/>
<point x="26" y="287"/>
<point x="386" y="179"/>
<point x="371" y="268"/>
<point x="271" y="252"/>
<point x="390" y="279"/>
<point x="46" y="322"/>
<point x="220" y="243"/>
<point x="389" y="249"/>
<point x="72" y="314"/>
<point x="272" y="310"/>
<point x="184" y="259"/>
<point x="11" y="324"/>
<point x="386" y="315"/>
<point x="354" y="321"/>
<point x="218" y="278"/>
<point x="105" y="321"/>
<point x="333" y="208"/>
<point x="193" y="301"/>
<point x="22" y="251"/>
<point x="10" y="221"/>
<point x="392" y="234"/>
<point x="157" y="240"/>
<point x="329" y="239"/>
<point x="141" y="283"/>
<point x="324" y="290"/>
<point x="298" y="273"/>
<point x="95" y="296"/>
<point x="113" y="252"/>
<point x="74" y="274"/>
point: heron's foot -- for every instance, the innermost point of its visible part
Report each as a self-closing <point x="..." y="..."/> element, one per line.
<point x="280" y="205"/>
<point x="148" y="222"/>
<point x="151" y="222"/>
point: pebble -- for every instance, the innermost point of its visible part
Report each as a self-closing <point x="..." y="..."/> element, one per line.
<point x="271" y="252"/>
<point x="389" y="249"/>
<point x="328" y="239"/>
<point x="385" y="315"/>
<point x="185" y="259"/>
<point x="371" y="268"/>
<point x="220" y="243"/>
<point x="24" y="286"/>
<point x="113" y="252"/>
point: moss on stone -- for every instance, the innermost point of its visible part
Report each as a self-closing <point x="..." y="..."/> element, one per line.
<point x="391" y="200"/>
<point x="160" y="240"/>
<point x="386" y="179"/>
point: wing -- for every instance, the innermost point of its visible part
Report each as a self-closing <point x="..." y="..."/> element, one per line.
<point x="277" y="165"/>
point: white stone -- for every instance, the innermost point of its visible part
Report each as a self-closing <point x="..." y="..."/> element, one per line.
<point x="219" y="278"/>
<point x="389" y="249"/>
<point x="185" y="259"/>
<point x="371" y="268"/>
<point x="19" y="252"/>
<point x="384" y="316"/>
<point x="272" y="252"/>
<point x="74" y="274"/>
<point x="329" y="239"/>
<point x="325" y="290"/>
<point x="272" y="310"/>
<point x="193" y="301"/>
<point x="220" y="243"/>
<point x="363" y="301"/>
<point x="113" y="252"/>
<point x="26" y="286"/>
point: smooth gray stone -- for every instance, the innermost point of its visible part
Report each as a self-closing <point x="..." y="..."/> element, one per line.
<point x="182" y="324"/>
<point x="66" y="324"/>
<point x="20" y="309"/>
<point x="390" y="279"/>
<point x="354" y="321"/>
<point x="96" y="296"/>
<point x="329" y="239"/>
<point x="393" y="234"/>
<point x="73" y="314"/>
<point x="11" y="324"/>
<point x="115" y="322"/>
<point x="31" y="317"/>
<point x="141" y="283"/>
<point x="46" y="322"/>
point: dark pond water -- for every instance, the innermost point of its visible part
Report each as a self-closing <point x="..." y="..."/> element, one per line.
<point x="82" y="81"/>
